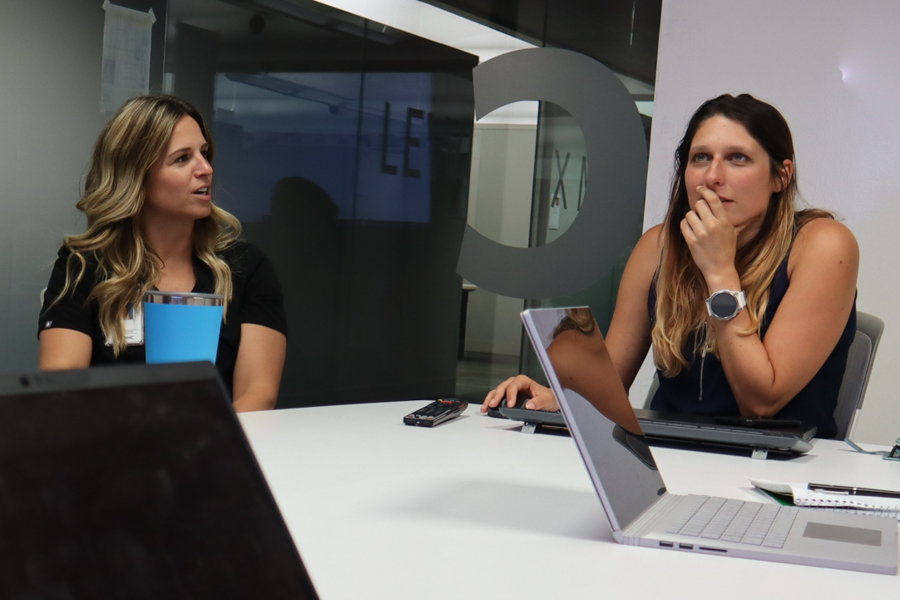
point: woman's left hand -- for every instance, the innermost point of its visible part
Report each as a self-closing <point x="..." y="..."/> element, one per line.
<point x="710" y="236"/>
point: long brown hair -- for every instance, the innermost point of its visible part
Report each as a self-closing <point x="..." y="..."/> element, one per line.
<point x="114" y="193"/>
<point x="680" y="286"/>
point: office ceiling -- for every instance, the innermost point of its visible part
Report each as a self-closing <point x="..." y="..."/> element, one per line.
<point x="251" y="36"/>
<point x="622" y="34"/>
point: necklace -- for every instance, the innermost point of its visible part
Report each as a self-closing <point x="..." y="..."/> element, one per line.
<point x="706" y="348"/>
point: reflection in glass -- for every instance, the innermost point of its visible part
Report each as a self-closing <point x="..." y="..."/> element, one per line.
<point x="344" y="148"/>
<point x="597" y="411"/>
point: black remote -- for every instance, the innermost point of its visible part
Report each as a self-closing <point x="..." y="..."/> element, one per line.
<point x="436" y="413"/>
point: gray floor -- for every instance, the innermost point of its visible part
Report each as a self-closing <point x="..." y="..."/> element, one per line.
<point x="479" y="372"/>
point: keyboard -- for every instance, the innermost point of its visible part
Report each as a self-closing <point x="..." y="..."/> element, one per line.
<point x="751" y="523"/>
<point x="661" y="427"/>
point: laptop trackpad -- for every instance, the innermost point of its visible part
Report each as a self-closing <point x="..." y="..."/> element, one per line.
<point x="841" y="533"/>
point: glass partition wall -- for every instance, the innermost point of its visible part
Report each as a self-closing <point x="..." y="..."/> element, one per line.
<point x="623" y="36"/>
<point x="344" y="148"/>
<point x="560" y="184"/>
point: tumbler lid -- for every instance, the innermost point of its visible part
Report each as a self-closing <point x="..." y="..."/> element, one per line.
<point x="184" y="298"/>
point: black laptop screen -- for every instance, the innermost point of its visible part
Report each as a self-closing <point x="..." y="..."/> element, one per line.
<point x="147" y="490"/>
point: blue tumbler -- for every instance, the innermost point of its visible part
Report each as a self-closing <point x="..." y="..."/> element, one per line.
<point x="182" y="326"/>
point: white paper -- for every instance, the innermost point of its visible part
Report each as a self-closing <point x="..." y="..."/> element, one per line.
<point x="126" y="55"/>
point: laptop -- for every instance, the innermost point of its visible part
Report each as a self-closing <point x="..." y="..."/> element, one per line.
<point x="703" y="431"/>
<point x="631" y="489"/>
<point x="691" y="431"/>
<point x="135" y="482"/>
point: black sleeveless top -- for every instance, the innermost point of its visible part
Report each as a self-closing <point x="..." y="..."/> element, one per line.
<point x="814" y="405"/>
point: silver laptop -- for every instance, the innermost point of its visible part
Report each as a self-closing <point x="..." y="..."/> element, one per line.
<point x="640" y="510"/>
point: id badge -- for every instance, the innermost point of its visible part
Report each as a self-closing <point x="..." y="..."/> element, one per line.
<point x="134" y="326"/>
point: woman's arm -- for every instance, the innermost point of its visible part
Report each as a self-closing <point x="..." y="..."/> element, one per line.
<point x="765" y="375"/>
<point x="628" y="338"/>
<point x="62" y="349"/>
<point x="257" y="371"/>
<point x="65" y="321"/>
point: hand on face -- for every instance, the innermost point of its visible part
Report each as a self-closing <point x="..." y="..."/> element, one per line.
<point x="709" y="234"/>
<point x="729" y="185"/>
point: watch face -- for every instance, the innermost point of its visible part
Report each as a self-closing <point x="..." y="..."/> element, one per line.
<point x="723" y="305"/>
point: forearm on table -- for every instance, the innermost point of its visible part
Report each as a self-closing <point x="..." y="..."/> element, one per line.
<point x="252" y="401"/>
<point x="257" y="373"/>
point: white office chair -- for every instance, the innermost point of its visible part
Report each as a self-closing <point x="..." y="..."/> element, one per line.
<point x="856" y="376"/>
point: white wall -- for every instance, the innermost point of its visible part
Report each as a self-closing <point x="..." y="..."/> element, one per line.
<point x="50" y="105"/>
<point x="499" y="208"/>
<point x="831" y="68"/>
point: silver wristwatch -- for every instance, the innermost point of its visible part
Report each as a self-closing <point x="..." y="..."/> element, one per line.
<point x="725" y="305"/>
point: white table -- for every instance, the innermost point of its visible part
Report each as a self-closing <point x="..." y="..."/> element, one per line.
<point x="476" y="509"/>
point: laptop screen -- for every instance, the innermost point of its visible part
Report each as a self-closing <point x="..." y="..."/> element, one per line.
<point x="597" y="411"/>
<point x="135" y="482"/>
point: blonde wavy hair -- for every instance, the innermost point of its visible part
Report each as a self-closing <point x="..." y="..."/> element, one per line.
<point x="131" y="142"/>
<point x="681" y="290"/>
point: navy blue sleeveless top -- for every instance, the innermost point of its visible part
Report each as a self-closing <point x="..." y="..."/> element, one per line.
<point x="814" y="405"/>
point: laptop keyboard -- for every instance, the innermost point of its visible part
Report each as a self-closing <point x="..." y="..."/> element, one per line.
<point x="752" y="523"/>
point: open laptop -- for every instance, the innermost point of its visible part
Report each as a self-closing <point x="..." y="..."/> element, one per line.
<point x="640" y="510"/>
<point x="135" y="482"/>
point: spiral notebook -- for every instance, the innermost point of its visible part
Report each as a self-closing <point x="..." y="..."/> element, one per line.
<point x="803" y="496"/>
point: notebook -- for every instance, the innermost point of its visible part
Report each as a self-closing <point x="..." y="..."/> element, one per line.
<point x="631" y="489"/>
<point x="135" y="482"/>
<point x="803" y="494"/>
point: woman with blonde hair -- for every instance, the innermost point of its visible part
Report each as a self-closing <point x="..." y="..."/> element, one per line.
<point x="747" y="301"/>
<point x="152" y="224"/>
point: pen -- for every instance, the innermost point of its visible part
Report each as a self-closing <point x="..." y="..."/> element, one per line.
<point x="852" y="491"/>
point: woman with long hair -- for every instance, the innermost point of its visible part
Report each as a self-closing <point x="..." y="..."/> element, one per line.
<point x="747" y="301"/>
<point x="152" y="224"/>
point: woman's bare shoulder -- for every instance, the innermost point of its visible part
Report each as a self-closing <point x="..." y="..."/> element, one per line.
<point x="654" y="235"/>
<point x="823" y="242"/>
<point x="825" y="235"/>
<point x="648" y="247"/>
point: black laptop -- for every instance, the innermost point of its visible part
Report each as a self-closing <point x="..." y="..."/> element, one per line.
<point x="689" y="431"/>
<point x="702" y="430"/>
<point x="135" y="482"/>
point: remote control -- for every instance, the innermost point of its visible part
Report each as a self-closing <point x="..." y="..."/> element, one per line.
<point x="436" y="413"/>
